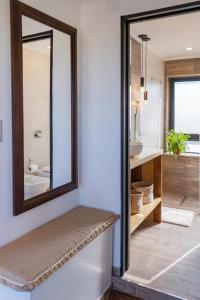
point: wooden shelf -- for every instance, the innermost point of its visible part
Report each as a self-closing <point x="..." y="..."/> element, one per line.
<point x="147" y="209"/>
<point x="147" y="154"/>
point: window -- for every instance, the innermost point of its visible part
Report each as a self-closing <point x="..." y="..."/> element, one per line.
<point x="185" y="106"/>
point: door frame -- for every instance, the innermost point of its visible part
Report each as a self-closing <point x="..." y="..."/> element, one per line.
<point x="125" y="54"/>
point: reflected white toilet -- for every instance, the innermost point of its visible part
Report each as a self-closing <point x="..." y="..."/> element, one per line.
<point x="43" y="172"/>
<point x="35" y="185"/>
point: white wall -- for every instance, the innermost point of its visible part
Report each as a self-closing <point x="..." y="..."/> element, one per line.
<point x="100" y="101"/>
<point x="99" y="110"/>
<point x="12" y="227"/>
<point x="152" y="114"/>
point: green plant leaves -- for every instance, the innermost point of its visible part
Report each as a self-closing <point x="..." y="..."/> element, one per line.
<point x="176" y="142"/>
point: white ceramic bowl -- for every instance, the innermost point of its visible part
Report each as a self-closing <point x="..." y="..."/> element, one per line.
<point x="135" y="148"/>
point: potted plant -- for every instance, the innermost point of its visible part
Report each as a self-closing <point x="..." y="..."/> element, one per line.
<point x="176" y="142"/>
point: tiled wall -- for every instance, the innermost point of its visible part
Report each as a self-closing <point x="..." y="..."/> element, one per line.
<point x="181" y="174"/>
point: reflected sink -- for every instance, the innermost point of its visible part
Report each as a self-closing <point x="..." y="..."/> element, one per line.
<point x="35" y="185"/>
<point x="135" y="148"/>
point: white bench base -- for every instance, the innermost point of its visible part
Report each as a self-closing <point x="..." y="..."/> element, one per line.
<point x="85" y="277"/>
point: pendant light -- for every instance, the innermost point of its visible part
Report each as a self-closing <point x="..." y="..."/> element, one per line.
<point x="142" y="64"/>
<point x="143" y="82"/>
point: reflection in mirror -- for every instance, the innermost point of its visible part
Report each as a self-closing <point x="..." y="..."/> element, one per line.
<point x="37" y="91"/>
<point x="46" y="108"/>
<point x="44" y="103"/>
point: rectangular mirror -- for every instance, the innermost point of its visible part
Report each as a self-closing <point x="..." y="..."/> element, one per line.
<point x="44" y="107"/>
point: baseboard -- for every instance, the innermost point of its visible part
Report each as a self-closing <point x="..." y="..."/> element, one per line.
<point x="105" y="294"/>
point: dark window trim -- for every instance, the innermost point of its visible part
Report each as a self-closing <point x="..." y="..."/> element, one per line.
<point x="125" y="164"/>
<point x="172" y="81"/>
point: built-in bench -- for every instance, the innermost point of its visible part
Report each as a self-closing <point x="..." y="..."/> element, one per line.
<point x="26" y="262"/>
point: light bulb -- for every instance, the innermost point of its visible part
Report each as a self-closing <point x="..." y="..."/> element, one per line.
<point x="142" y="84"/>
<point x="145" y="96"/>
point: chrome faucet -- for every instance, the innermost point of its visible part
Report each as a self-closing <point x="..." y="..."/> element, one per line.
<point x="29" y="164"/>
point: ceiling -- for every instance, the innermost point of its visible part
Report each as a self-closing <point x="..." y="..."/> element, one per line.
<point x="30" y="26"/>
<point x="171" y="36"/>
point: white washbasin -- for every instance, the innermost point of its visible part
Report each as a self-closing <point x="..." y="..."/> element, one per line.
<point x="35" y="185"/>
<point x="135" y="148"/>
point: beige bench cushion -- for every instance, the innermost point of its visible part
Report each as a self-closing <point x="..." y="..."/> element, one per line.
<point x="29" y="260"/>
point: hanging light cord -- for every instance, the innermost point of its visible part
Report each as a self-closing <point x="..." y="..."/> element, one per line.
<point x="146" y="66"/>
<point x="142" y="60"/>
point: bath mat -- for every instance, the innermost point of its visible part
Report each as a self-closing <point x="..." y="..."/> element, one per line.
<point x="177" y="216"/>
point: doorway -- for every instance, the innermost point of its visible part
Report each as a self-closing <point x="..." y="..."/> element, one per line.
<point x="181" y="199"/>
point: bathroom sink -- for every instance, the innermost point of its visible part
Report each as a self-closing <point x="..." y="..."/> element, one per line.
<point x="35" y="185"/>
<point x="135" y="148"/>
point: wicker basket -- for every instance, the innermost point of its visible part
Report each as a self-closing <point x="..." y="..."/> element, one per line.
<point x="146" y="188"/>
<point x="136" y="202"/>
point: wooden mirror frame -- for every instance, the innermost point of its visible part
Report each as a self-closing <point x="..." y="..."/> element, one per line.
<point x="19" y="9"/>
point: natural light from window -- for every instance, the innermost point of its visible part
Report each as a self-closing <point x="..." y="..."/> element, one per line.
<point x="187" y="107"/>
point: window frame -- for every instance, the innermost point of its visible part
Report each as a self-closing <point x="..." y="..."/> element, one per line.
<point x="172" y="82"/>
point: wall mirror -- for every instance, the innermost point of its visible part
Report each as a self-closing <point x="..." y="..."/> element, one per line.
<point x="44" y="107"/>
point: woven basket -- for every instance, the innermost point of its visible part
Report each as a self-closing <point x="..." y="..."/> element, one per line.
<point x="136" y="202"/>
<point x="146" y="188"/>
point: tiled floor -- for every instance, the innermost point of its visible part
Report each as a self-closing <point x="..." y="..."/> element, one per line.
<point x="170" y="257"/>
<point x="118" y="296"/>
<point x="181" y="201"/>
<point x="160" y="245"/>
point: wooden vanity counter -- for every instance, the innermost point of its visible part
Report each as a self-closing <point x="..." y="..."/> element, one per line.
<point x="147" y="167"/>
<point x="146" y="155"/>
